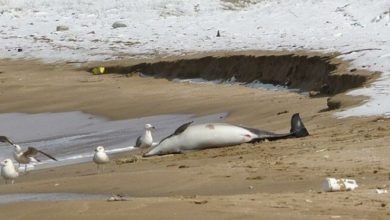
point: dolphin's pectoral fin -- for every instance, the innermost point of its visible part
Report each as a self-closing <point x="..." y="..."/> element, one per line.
<point x="176" y="152"/>
<point x="182" y="128"/>
<point x="160" y="153"/>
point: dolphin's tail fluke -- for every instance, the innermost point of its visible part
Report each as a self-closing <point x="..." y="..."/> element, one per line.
<point x="297" y="130"/>
<point x="297" y="127"/>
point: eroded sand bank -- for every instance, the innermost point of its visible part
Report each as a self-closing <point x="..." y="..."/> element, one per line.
<point x="278" y="180"/>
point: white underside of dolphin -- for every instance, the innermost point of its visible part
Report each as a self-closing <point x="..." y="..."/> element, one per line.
<point x="201" y="136"/>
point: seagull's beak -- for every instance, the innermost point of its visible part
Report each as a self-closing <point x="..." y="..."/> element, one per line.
<point x="96" y="150"/>
<point x="154" y="128"/>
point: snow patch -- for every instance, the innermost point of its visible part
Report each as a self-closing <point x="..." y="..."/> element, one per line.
<point x="161" y="27"/>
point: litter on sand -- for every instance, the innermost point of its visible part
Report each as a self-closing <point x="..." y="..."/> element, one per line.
<point x="335" y="185"/>
<point x="98" y="70"/>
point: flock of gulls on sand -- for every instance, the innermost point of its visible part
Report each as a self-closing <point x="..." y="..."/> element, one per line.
<point x="187" y="137"/>
<point x="10" y="173"/>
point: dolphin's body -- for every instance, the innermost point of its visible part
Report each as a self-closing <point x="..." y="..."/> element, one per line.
<point x="201" y="136"/>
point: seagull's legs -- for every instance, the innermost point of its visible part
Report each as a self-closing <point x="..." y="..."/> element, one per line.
<point x="25" y="168"/>
<point x="103" y="168"/>
<point x="98" y="168"/>
<point x="12" y="181"/>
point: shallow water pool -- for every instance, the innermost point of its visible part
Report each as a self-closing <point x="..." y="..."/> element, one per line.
<point x="72" y="137"/>
<point x="39" y="197"/>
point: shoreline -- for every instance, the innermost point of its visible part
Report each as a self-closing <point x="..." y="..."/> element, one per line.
<point x="279" y="179"/>
<point x="83" y="77"/>
<point x="71" y="137"/>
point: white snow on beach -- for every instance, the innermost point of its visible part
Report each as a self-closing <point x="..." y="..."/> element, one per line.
<point x="358" y="29"/>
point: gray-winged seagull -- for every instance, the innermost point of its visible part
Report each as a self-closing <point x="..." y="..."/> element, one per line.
<point x="24" y="157"/>
<point x="145" y="140"/>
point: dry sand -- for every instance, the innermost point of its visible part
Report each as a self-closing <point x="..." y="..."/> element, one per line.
<point x="269" y="180"/>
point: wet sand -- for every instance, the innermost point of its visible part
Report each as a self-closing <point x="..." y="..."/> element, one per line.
<point x="269" y="180"/>
<point x="73" y="136"/>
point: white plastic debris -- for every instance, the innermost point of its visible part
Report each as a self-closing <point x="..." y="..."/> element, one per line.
<point x="116" y="198"/>
<point x="381" y="191"/>
<point x="334" y="185"/>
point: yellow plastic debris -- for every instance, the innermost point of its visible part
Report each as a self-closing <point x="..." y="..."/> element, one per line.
<point x="98" y="70"/>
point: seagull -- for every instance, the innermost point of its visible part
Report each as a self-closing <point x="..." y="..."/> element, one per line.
<point x="145" y="140"/>
<point x="100" y="158"/>
<point x="4" y="139"/>
<point x="8" y="171"/>
<point x="25" y="157"/>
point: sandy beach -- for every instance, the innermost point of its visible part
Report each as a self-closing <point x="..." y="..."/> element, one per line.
<point x="268" y="180"/>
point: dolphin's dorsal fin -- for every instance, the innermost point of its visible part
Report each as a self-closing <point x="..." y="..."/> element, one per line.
<point x="182" y="128"/>
<point x="178" y="131"/>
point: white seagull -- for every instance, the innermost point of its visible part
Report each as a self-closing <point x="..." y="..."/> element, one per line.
<point x="145" y="140"/>
<point x="8" y="171"/>
<point x="100" y="158"/>
<point x="25" y="157"/>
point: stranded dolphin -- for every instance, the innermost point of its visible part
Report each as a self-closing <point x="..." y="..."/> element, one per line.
<point x="201" y="136"/>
